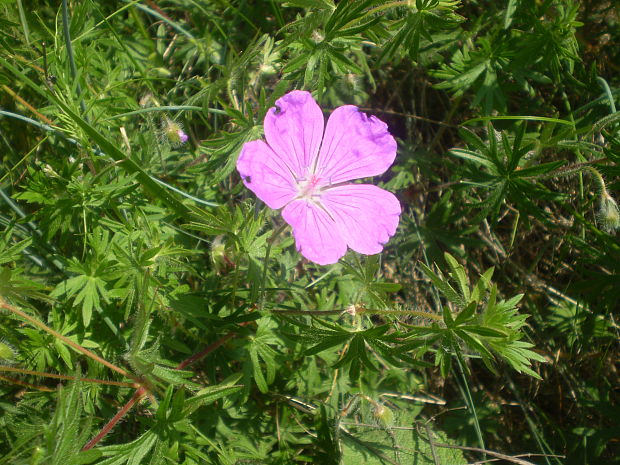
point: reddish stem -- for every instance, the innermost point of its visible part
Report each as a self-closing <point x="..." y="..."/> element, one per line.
<point x="141" y="392"/>
<point x="203" y="353"/>
<point x="53" y="375"/>
<point x="25" y="384"/>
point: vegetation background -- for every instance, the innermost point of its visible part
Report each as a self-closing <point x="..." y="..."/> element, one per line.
<point x="153" y="311"/>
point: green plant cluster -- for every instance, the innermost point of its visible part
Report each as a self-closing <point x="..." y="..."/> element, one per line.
<point x="152" y="311"/>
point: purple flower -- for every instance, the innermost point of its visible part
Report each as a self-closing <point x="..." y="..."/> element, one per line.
<point x="306" y="167"/>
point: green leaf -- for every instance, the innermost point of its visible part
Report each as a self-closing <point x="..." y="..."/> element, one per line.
<point x="443" y="286"/>
<point x="458" y="274"/>
<point x="519" y="118"/>
<point x="474" y="343"/>
<point x="259" y="378"/>
<point x="475" y="157"/>
<point x="539" y="170"/>
<point x="602" y="123"/>
<point x="466" y="314"/>
<point x="401" y="444"/>
<point x="482" y="285"/>
<point x="327" y="343"/>
<point x="210" y="394"/>
<point x="106" y="146"/>
<point x="485" y="331"/>
<point x="131" y="453"/>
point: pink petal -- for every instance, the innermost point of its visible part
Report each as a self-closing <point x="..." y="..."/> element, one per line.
<point x="316" y="235"/>
<point x="354" y="146"/>
<point x="366" y="216"/>
<point x="265" y="174"/>
<point x="294" y="130"/>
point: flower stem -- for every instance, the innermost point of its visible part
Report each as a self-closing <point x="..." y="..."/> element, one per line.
<point x="307" y="312"/>
<point x="55" y="376"/>
<point x="19" y="382"/>
<point x="67" y="34"/>
<point x="139" y="394"/>
<point x="270" y="242"/>
<point x="418" y="313"/>
<point x="610" y="98"/>
<point x="359" y="310"/>
<point x="39" y="324"/>
<point x="141" y="391"/>
<point x="27" y="105"/>
<point x="574" y="169"/>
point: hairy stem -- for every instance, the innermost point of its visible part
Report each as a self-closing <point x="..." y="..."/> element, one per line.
<point x="359" y="310"/>
<point x="141" y="392"/>
<point x="610" y="98"/>
<point x="66" y="377"/>
<point x="270" y="242"/>
<point x="19" y="382"/>
<point x="39" y="324"/>
<point x="67" y="34"/>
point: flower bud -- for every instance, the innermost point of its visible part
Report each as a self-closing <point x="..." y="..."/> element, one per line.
<point x="351" y="310"/>
<point x="608" y="215"/>
<point x="7" y="353"/>
<point x="220" y="256"/>
<point x="383" y="415"/>
<point x="173" y="131"/>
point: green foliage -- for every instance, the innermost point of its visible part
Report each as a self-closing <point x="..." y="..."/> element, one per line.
<point x="482" y="324"/>
<point x="161" y="295"/>
<point x="502" y="168"/>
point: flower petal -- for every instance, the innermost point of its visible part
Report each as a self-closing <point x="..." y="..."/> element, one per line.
<point x="265" y="174"/>
<point x="316" y="235"/>
<point x="366" y="216"/>
<point x="294" y="129"/>
<point x="354" y="146"/>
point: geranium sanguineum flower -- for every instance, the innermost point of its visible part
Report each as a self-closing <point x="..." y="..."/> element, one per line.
<point x="305" y="167"/>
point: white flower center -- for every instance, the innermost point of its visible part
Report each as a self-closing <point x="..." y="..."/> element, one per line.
<point x="308" y="187"/>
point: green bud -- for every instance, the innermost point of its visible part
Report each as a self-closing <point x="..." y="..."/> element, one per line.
<point x="608" y="215"/>
<point x="174" y="133"/>
<point x="219" y="254"/>
<point x="7" y="353"/>
<point x="384" y="415"/>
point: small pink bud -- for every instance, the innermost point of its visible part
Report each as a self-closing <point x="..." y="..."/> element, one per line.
<point x="173" y="132"/>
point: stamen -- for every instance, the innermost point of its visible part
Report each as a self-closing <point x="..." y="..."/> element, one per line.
<point x="307" y="187"/>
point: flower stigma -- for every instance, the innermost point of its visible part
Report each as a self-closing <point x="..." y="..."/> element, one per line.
<point x="309" y="187"/>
